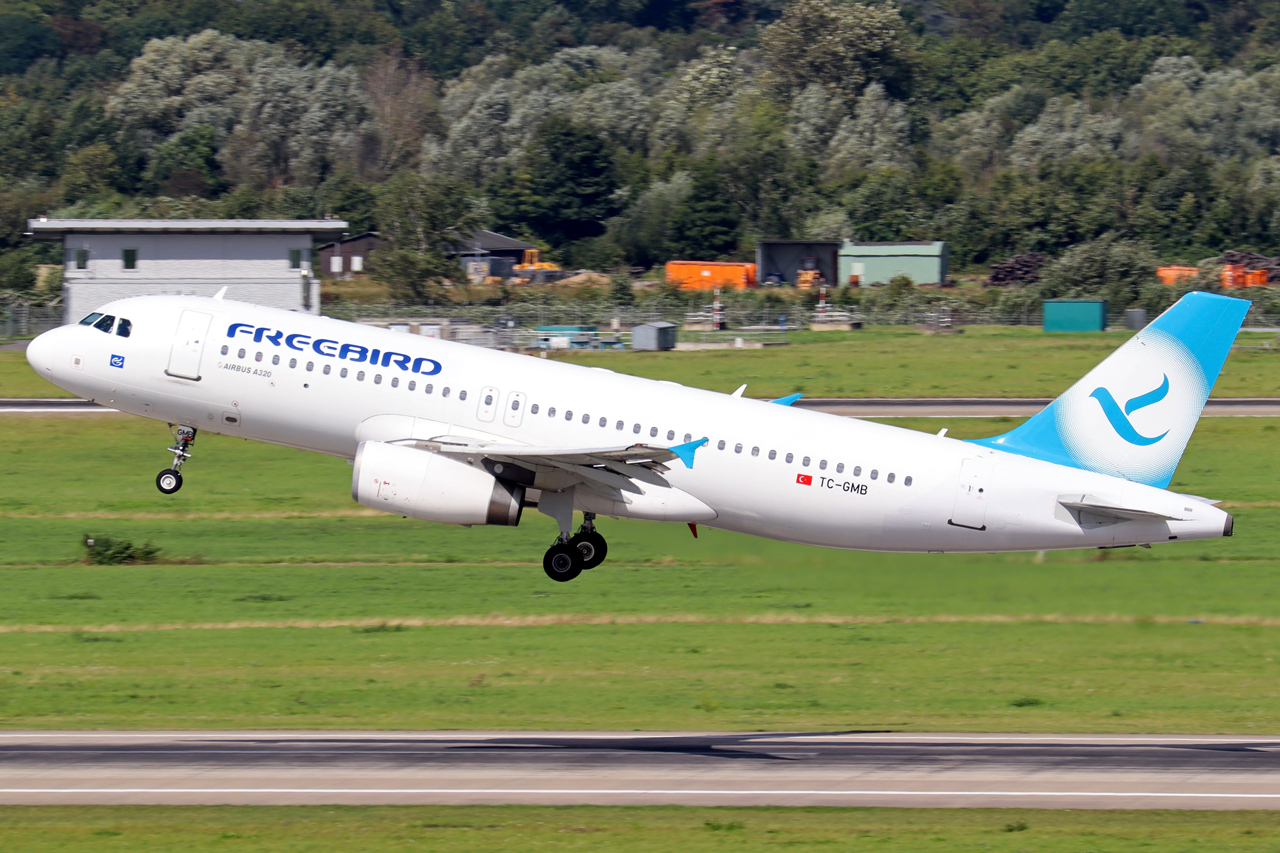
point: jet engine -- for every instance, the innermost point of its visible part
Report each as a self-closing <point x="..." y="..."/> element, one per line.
<point x="421" y="484"/>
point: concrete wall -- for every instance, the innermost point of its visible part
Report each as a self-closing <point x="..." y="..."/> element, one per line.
<point x="185" y="257"/>
<point x="83" y="297"/>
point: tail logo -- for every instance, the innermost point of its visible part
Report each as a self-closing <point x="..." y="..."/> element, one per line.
<point x="1119" y="420"/>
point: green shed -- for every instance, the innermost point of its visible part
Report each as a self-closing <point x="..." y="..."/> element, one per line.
<point x="1075" y="315"/>
<point x="924" y="262"/>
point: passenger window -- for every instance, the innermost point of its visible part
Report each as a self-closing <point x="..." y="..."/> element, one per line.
<point x="413" y="386"/>
<point x="568" y="416"/>
<point x="224" y="349"/>
<point x="327" y="368"/>
<point x="91" y="319"/>
<point x="874" y="473"/>
<point x="395" y="381"/>
<point x="258" y="357"/>
<point x="533" y="410"/>
<point x="124" y="327"/>
<point x="360" y="376"/>
<point x="822" y="466"/>
<point x="444" y="392"/>
<point x="342" y="373"/>
<point x="857" y="470"/>
<point x="790" y="456"/>
<point x="653" y="432"/>
<point x="737" y="448"/>
<point x="906" y="481"/>
<point x="105" y="323"/>
<point x="755" y="451"/>
<point x="488" y="399"/>
<point x="293" y="363"/>
<point x="240" y="354"/>
<point x="636" y="429"/>
<point x="377" y="379"/>
<point x="687" y="438"/>
<point x="428" y="388"/>
<point x="773" y="454"/>
<point x="462" y="395"/>
<point x="586" y="419"/>
<point x="604" y="422"/>
<point x="720" y="445"/>
<point x="311" y="366"/>
<point x="515" y="405"/>
<point x="840" y="468"/>
<point x="619" y="425"/>
<point x="805" y="462"/>
<point x="275" y="359"/>
<point x="889" y="479"/>
<point x="671" y="435"/>
<point x="551" y="412"/>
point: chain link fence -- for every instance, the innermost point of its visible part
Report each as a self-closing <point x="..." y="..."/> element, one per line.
<point x="26" y="321"/>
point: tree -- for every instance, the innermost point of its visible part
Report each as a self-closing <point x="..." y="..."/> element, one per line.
<point x="421" y="218"/>
<point x="88" y="172"/>
<point x="402" y="102"/>
<point x="571" y="174"/>
<point x="838" y="45"/>
<point x="705" y="226"/>
<point x="1110" y="268"/>
<point x="23" y="41"/>
<point x="186" y="165"/>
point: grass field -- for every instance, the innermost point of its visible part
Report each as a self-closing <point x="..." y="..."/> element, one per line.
<point x="986" y="361"/>
<point x="631" y="830"/>
<point x="283" y="604"/>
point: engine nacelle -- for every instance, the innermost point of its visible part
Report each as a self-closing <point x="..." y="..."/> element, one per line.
<point x="426" y="485"/>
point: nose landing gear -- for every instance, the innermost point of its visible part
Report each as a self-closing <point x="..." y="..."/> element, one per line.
<point x="169" y="480"/>
<point x="571" y="556"/>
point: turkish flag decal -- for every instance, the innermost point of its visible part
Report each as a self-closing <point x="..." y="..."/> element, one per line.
<point x="804" y="479"/>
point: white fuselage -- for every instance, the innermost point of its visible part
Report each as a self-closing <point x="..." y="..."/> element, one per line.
<point x="873" y="487"/>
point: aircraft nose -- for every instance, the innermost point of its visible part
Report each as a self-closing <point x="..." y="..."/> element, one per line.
<point x="42" y="351"/>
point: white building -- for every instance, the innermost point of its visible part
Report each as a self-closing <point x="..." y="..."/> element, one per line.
<point x="264" y="261"/>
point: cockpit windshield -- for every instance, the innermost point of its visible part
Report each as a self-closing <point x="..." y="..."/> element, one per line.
<point x="124" y="327"/>
<point x="91" y="319"/>
<point x="105" y="323"/>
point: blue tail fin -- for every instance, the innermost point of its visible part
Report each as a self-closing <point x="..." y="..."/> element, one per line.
<point x="1132" y="415"/>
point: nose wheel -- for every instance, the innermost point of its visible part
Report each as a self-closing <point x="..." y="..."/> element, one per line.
<point x="169" y="480"/>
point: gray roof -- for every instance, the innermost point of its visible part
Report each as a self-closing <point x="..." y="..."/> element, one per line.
<point x="488" y="241"/>
<point x="55" y="229"/>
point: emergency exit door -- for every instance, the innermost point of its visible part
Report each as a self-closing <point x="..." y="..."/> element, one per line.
<point x="188" y="345"/>
<point x="972" y="497"/>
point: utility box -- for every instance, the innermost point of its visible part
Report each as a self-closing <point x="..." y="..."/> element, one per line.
<point x="1135" y="319"/>
<point x="659" y="335"/>
<point x="1075" y="315"/>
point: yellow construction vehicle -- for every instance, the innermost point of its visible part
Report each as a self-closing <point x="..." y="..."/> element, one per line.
<point x="531" y="262"/>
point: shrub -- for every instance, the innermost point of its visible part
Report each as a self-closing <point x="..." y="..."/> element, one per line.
<point x="105" y="551"/>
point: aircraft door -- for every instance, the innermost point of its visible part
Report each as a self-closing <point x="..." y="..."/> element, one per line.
<point x="513" y="414"/>
<point x="970" y="509"/>
<point x="488" y="404"/>
<point x="188" y="345"/>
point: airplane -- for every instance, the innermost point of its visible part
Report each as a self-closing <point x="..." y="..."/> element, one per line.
<point x="447" y="432"/>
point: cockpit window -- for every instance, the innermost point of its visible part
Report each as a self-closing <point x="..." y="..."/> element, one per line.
<point x="105" y="323"/>
<point x="91" y="319"/>
<point x="124" y="327"/>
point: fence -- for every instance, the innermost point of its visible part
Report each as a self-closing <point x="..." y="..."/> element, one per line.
<point x="26" y="321"/>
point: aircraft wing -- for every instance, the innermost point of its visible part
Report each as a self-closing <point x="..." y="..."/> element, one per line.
<point x="618" y="467"/>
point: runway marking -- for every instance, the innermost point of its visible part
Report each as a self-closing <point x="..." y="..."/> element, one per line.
<point x="644" y="791"/>
<point x="498" y="620"/>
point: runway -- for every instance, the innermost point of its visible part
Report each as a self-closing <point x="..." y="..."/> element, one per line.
<point x="797" y="769"/>
<point x="860" y="407"/>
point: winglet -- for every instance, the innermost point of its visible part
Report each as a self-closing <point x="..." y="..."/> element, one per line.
<point x="738" y="393"/>
<point x="221" y="293"/>
<point x="787" y="400"/>
<point x="685" y="451"/>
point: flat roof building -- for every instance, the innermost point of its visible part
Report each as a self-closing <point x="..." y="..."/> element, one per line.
<point x="264" y="261"/>
<point x="924" y="262"/>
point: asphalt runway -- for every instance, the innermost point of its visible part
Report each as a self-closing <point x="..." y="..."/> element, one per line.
<point x="864" y="407"/>
<point x="843" y="769"/>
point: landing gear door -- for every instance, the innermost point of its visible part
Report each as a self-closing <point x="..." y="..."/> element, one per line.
<point x="970" y="509"/>
<point x="188" y="345"/>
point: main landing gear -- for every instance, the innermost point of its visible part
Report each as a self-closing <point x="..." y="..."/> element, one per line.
<point x="169" y="480"/>
<point x="571" y="556"/>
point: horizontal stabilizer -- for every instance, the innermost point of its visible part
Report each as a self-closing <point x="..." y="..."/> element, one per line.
<point x="787" y="400"/>
<point x="1082" y="503"/>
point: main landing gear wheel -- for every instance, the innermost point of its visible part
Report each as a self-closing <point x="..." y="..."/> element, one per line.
<point x="168" y="481"/>
<point x="592" y="547"/>
<point x="562" y="562"/>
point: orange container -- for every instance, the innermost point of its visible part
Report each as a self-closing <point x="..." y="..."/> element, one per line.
<point x="1232" y="275"/>
<point x="707" y="275"/>
<point x="1255" y="278"/>
<point x="1173" y="275"/>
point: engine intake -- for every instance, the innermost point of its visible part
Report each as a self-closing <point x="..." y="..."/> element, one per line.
<point x="426" y="485"/>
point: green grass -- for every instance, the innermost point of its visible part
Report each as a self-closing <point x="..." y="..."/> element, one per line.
<point x="262" y="539"/>
<point x="986" y="361"/>
<point x="372" y="829"/>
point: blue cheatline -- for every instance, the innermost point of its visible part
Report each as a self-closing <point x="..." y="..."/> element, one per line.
<point x="1200" y="325"/>
<point x="685" y="451"/>
<point x="787" y="400"/>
